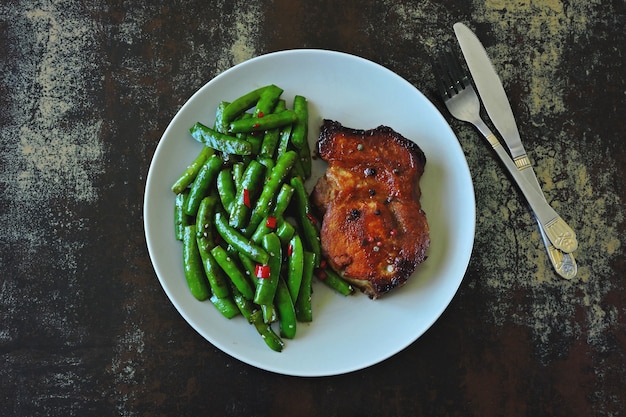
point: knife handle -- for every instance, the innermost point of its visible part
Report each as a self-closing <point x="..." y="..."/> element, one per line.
<point x="556" y="229"/>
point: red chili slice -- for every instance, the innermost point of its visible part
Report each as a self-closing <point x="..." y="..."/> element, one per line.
<point x="290" y="250"/>
<point x="320" y="274"/>
<point x="271" y="222"/>
<point x="311" y="218"/>
<point x="246" y="197"/>
<point x="262" y="271"/>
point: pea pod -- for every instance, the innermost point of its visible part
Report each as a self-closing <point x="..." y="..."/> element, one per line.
<point x="334" y="281"/>
<point x="217" y="281"/>
<point x="286" y="311"/>
<point x="206" y="242"/>
<point x="181" y="219"/>
<point x="277" y="177"/>
<point x="301" y="126"/>
<point x="202" y="184"/>
<point x="245" y="306"/>
<point x="295" y="262"/>
<point x="220" y="141"/>
<point x="267" y="122"/>
<point x="266" y="286"/>
<point x="306" y="219"/>
<point x="250" y="182"/>
<point x="239" y="241"/>
<point x="265" y="330"/>
<point x="226" y="188"/>
<point x="282" y="202"/>
<point x="285" y="232"/>
<point x="192" y="265"/>
<point x="270" y="143"/>
<point x="304" y="310"/>
<point x="237" y="277"/>
<point x="226" y="306"/>
<point x="305" y="161"/>
<point x="238" y="169"/>
<point x="220" y="124"/>
<point x="190" y="173"/>
<point x="265" y="228"/>
<point x="204" y="220"/>
<point x="284" y="139"/>
<point x="267" y="101"/>
<point x="241" y="104"/>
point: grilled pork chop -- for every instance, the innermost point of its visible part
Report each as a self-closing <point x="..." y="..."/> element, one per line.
<point x="374" y="231"/>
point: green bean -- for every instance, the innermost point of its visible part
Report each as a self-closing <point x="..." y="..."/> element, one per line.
<point x="268" y="163"/>
<point x="256" y="140"/>
<point x="217" y="281"/>
<point x="245" y="306"/>
<point x="267" y="101"/>
<point x="226" y="306"/>
<point x="231" y="269"/>
<point x="304" y="155"/>
<point x="265" y="330"/>
<point x="242" y="135"/>
<point x="181" y="219"/>
<point x="295" y="262"/>
<point x="304" y="311"/>
<point x="277" y="177"/>
<point x="204" y="220"/>
<point x="298" y="169"/>
<point x="270" y="142"/>
<point x="249" y="265"/>
<point x="202" y="184"/>
<point x="238" y="169"/>
<point x="286" y="311"/>
<point x="269" y="313"/>
<point x="190" y="173"/>
<point x="267" y="122"/>
<point x="239" y="241"/>
<point x="285" y="232"/>
<point x="300" y="129"/>
<point x="265" y="228"/>
<point x="206" y="242"/>
<point x="283" y="199"/>
<point x="306" y="219"/>
<point x="284" y="139"/>
<point x="334" y="281"/>
<point x="266" y="286"/>
<point x="252" y="177"/>
<point x="192" y="265"/>
<point x="226" y="188"/>
<point x="220" y="124"/>
<point x="220" y="141"/>
<point x="241" y="104"/>
<point x="282" y="202"/>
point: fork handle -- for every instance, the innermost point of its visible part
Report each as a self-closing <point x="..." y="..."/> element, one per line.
<point x="557" y="230"/>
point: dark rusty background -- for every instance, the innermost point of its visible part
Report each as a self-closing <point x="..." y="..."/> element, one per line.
<point x="87" y="89"/>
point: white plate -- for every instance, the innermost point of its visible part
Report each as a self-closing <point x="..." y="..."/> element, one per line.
<point x="347" y="333"/>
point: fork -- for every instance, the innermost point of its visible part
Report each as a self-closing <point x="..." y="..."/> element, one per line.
<point x="462" y="102"/>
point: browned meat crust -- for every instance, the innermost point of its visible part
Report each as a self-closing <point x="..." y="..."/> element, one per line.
<point x="374" y="231"/>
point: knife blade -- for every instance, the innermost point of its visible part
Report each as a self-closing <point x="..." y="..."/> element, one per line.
<point x="498" y="108"/>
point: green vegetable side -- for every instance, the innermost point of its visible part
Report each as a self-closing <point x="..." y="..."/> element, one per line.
<point x="251" y="244"/>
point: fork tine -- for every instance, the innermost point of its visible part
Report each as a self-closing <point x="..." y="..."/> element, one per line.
<point x="459" y="77"/>
<point x="442" y="76"/>
<point x="450" y="76"/>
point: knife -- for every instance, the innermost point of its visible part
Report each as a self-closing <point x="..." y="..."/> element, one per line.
<point x="499" y="110"/>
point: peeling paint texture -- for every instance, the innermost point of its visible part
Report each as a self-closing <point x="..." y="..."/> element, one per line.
<point x="87" y="89"/>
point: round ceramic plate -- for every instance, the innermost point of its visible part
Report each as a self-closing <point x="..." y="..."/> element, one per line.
<point x="347" y="333"/>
